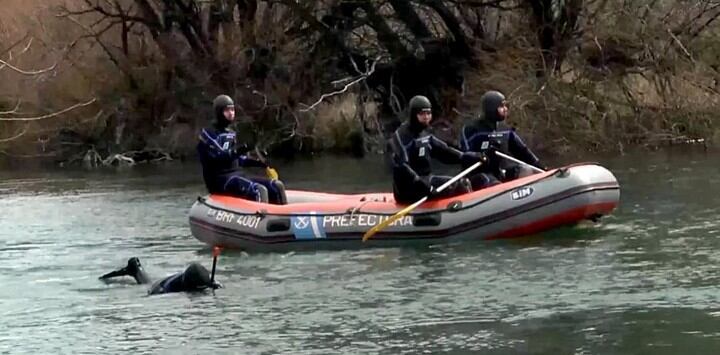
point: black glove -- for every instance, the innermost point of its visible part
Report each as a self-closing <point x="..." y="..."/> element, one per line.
<point x="241" y="149"/>
<point x="490" y="151"/>
<point x="469" y="158"/>
<point x="541" y="165"/>
<point x="432" y="191"/>
<point x="425" y="184"/>
<point x="493" y="146"/>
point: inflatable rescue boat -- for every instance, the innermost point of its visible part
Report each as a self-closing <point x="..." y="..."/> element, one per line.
<point x="316" y="220"/>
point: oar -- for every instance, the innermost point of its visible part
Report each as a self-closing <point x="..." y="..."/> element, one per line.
<point x="216" y="252"/>
<point x="407" y="209"/>
<point x="534" y="168"/>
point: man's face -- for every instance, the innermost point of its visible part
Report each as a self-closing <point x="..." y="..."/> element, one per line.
<point x="425" y="116"/>
<point x="503" y="110"/>
<point x="229" y="113"/>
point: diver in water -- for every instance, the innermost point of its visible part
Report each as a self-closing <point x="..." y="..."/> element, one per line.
<point x="194" y="278"/>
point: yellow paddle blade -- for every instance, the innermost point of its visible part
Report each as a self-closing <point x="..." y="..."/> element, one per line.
<point x="271" y="173"/>
<point x="392" y="219"/>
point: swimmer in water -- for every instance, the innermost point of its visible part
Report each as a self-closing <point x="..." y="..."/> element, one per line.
<point x="194" y="278"/>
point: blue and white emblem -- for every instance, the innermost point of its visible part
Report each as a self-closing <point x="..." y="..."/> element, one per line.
<point x="308" y="227"/>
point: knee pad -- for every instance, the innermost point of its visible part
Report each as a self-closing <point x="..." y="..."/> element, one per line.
<point x="279" y="196"/>
<point x="278" y="184"/>
<point x="467" y="185"/>
<point x="261" y="193"/>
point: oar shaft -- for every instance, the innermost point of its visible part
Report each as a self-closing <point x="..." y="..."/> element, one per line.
<point x="458" y="177"/>
<point x="407" y="210"/>
<point x="535" y="168"/>
<point x="216" y="252"/>
<point x="212" y="274"/>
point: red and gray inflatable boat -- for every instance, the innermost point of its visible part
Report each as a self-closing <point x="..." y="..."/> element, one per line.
<point x="316" y="220"/>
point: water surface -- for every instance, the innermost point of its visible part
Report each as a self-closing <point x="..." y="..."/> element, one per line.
<point x="643" y="281"/>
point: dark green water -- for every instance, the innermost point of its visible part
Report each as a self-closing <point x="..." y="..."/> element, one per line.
<point x="643" y="281"/>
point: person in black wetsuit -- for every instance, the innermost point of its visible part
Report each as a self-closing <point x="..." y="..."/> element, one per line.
<point x="488" y="134"/>
<point x="412" y="146"/>
<point x="194" y="278"/>
<point x="221" y="156"/>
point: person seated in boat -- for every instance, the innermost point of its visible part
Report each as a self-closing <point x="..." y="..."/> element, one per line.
<point x="221" y="157"/>
<point x="412" y="146"/>
<point x="488" y="134"/>
<point x="194" y="278"/>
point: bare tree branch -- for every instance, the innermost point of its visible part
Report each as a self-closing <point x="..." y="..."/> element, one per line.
<point x="10" y="54"/>
<point x="50" y="115"/>
<point x="26" y="72"/>
<point x="96" y="35"/>
<point x="362" y="77"/>
<point x="18" y="135"/>
<point x="14" y="110"/>
<point x="679" y="43"/>
<point x="91" y="9"/>
<point x="15" y="44"/>
<point x="496" y="4"/>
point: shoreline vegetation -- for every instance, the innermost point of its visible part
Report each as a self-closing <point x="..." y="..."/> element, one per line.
<point x="120" y="82"/>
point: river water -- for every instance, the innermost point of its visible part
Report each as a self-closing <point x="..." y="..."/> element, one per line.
<point x="644" y="280"/>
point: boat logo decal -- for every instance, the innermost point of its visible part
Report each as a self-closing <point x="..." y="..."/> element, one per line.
<point x="301" y="222"/>
<point x="308" y="227"/>
<point x="522" y="193"/>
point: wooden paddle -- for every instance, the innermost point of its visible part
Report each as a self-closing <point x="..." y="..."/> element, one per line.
<point x="407" y="209"/>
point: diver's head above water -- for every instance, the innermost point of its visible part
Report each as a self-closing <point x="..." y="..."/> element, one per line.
<point x="196" y="277"/>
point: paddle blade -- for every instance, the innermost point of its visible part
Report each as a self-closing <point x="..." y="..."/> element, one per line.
<point x="271" y="173"/>
<point x="392" y="219"/>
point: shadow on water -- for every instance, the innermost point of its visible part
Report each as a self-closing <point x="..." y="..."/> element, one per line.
<point x="566" y="236"/>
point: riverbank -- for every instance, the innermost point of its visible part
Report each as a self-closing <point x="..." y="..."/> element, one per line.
<point x="83" y="85"/>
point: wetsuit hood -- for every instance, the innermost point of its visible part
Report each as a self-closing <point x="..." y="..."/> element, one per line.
<point x="219" y="104"/>
<point x="489" y="103"/>
<point x="196" y="277"/>
<point x="418" y="104"/>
